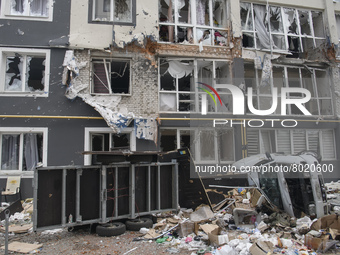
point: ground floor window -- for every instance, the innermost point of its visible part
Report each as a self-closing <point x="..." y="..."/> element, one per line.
<point x="22" y="150"/>
<point x="292" y="141"/>
<point x="206" y="145"/>
<point x="105" y="139"/>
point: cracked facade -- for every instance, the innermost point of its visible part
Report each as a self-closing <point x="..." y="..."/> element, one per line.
<point x="135" y="70"/>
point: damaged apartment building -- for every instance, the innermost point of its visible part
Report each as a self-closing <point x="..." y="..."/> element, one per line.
<point x="141" y="76"/>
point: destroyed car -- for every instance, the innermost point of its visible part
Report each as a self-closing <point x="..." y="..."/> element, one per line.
<point x="294" y="183"/>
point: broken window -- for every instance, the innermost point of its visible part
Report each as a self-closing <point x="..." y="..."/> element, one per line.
<point x="281" y="29"/>
<point x="21" y="151"/>
<point x="110" y="141"/>
<point x="38" y="8"/>
<point x="316" y="81"/>
<point x="182" y="85"/>
<point x="191" y="21"/>
<point x="110" y="76"/>
<point x="25" y="72"/>
<point x="337" y="18"/>
<point x="295" y="141"/>
<point x="117" y="11"/>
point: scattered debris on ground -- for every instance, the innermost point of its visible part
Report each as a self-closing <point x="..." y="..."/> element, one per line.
<point x="244" y="223"/>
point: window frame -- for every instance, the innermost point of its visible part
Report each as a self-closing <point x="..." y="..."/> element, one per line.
<point x="22" y="131"/>
<point x="5" y="12"/>
<point x="91" y="13"/>
<point x="95" y="60"/>
<point x="193" y="9"/>
<point x="89" y="131"/>
<point x="196" y="94"/>
<point x="259" y="96"/>
<point x="307" y="141"/>
<point x="4" y="52"/>
<point x="285" y="33"/>
<point x="197" y="143"/>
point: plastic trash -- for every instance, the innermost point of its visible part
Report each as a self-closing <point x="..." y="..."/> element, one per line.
<point x="225" y="250"/>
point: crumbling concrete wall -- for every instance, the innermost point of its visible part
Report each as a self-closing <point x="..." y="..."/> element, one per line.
<point x="117" y="110"/>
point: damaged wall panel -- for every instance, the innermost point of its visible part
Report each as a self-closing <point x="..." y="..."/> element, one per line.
<point x="118" y="109"/>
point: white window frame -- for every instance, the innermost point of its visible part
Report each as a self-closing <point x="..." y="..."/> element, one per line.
<point x="196" y="94"/>
<point x="175" y="24"/>
<point x="197" y="143"/>
<point x="337" y="17"/>
<point x="20" y="131"/>
<point x="5" y="12"/>
<point x="101" y="130"/>
<point x="107" y="61"/>
<point x="305" y="131"/>
<point x="113" y="20"/>
<point x="259" y="96"/>
<point x="285" y="32"/>
<point x="4" y="52"/>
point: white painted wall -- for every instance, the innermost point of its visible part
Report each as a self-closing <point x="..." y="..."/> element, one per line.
<point x="100" y="36"/>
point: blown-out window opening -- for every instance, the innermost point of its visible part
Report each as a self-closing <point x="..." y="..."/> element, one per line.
<point x="281" y="28"/>
<point x="111" y="76"/>
<point x="195" y="22"/>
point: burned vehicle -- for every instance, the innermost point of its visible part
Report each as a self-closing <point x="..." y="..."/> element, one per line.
<point x="294" y="183"/>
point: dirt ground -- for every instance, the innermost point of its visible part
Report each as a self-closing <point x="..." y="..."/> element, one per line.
<point x="84" y="242"/>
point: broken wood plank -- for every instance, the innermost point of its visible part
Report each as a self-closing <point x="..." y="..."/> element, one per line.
<point x="22" y="247"/>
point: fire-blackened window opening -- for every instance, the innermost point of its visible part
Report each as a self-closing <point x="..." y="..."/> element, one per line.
<point x="111" y="76"/>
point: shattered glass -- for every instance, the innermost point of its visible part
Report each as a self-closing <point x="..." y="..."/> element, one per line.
<point x="18" y="7"/>
<point x="122" y="10"/>
<point x="291" y="21"/>
<point x="246" y="16"/>
<point x="166" y="11"/>
<point x="219" y="12"/>
<point x="184" y="13"/>
<point x="35" y="74"/>
<point x="304" y="23"/>
<point x="13" y="77"/>
<point x="39" y="8"/>
<point x="168" y="102"/>
<point x="275" y="19"/>
<point x="318" y="26"/>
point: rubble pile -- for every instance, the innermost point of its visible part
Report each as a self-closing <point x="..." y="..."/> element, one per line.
<point x="245" y="223"/>
<point x="333" y="195"/>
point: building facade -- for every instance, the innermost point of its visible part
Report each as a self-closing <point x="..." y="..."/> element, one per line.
<point x="228" y="79"/>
